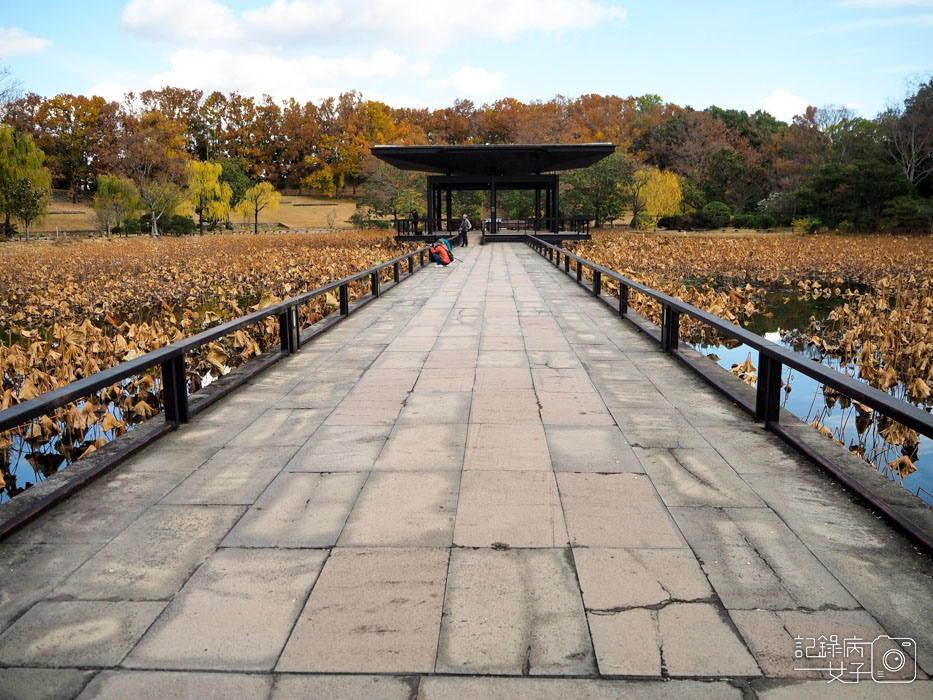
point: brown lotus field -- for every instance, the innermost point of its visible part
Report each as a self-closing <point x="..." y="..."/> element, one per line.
<point x="72" y="308"/>
<point x="880" y="330"/>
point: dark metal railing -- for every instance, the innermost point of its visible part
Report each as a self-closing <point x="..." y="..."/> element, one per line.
<point x="171" y="358"/>
<point x="771" y="360"/>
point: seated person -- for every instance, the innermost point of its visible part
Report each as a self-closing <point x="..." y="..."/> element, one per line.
<point x="439" y="253"/>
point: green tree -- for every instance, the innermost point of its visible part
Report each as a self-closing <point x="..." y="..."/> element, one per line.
<point x="519" y="204"/>
<point x="20" y="160"/>
<point x="116" y="201"/>
<point x="235" y="176"/>
<point x="910" y="213"/>
<point x="209" y="197"/>
<point x="598" y="192"/>
<point x="716" y="214"/>
<point x="27" y="201"/>
<point x="390" y="191"/>
<point x="258" y="198"/>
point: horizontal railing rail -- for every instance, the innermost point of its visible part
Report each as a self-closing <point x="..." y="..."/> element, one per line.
<point x="171" y="357"/>
<point x="772" y="357"/>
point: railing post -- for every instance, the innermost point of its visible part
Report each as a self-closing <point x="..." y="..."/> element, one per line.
<point x="623" y="299"/>
<point x="288" y="330"/>
<point x="567" y="264"/>
<point x="670" y="329"/>
<point x="344" y="293"/>
<point x="579" y="271"/>
<point x="175" y="390"/>
<point x="422" y="258"/>
<point x="768" y="392"/>
<point x="411" y="264"/>
<point x="597" y="282"/>
<point x="374" y="282"/>
<point x="395" y="272"/>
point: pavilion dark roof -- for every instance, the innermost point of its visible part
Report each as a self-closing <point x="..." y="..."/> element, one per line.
<point x="523" y="159"/>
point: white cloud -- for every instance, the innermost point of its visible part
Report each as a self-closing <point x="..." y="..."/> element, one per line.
<point x="307" y="78"/>
<point x="889" y="3"/>
<point x="110" y="91"/>
<point x="15" y="41"/>
<point x="180" y="21"/>
<point x="416" y="26"/>
<point x="470" y="81"/>
<point x="783" y="104"/>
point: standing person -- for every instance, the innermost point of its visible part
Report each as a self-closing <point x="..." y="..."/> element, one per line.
<point x="414" y="221"/>
<point x="465" y="227"/>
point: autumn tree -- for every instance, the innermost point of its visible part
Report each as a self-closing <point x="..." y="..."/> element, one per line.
<point x="115" y="201"/>
<point x="261" y="197"/>
<point x="208" y="196"/>
<point x="662" y="194"/>
<point x="79" y="138"/>
<point x="154" y="159"/>
<point x="598" y="191"/>
<point x="20" y="162"/>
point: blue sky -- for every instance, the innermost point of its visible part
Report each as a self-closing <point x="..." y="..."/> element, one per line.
<point x="779" y="56"/>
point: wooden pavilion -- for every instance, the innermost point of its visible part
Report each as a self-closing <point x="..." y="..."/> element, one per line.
<point x="491" y="169"/>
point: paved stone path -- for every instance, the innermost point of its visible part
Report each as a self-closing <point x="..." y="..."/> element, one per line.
<point x="481" y="485"/>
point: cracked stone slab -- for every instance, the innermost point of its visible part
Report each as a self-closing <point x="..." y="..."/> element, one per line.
<point x="251" y="598"/>
<point x="771" y="637"/>
<point x="505" y="407"/>
<point x="281" y="426"/>
<point x="754" y="561"/>
<point x="424" y="448"/>
<point x="76" y="633"/>
<point x="299" y="509"/>
<point x="864" y="690"/>
<point x="632" y="578"/>
<point x="100" y="511"/>
<point x="234" y="475"/>
<point x="341" y="448"/>
<point x="441" y="688"/>
<point x="152" y="558"/>
<point x="427" y="409"/>
<point x="695" y="477"/>
<point x="28" y="572"/>
<point x="580" y="408"/>
<point x="513" y="612"/>
<point x="502" y="379"/>
<point x="652" y="427"/>
<point x="303" y="687"/>
<point x="598" y="448"/>
<point x="509" y="508"/>
<point x="177" y="685"/>
<point x="444" y="380"/>
<point x="414" y="509"/>
<point x="500" y="446"/>
<point x="373" y="610"/>
<point x="616" y="510"/>
<point x="42" y="683"/>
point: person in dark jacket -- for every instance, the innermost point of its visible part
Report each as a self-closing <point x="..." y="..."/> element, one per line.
<point x="465" y="227"/>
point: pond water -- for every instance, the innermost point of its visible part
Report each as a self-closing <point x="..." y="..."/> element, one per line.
<point x="791" y="313"/>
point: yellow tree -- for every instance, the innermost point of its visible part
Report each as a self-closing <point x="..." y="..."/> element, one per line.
<point x="258" y="198"/>
<point x="662" y="194"/>
<point x="209" y="197"/>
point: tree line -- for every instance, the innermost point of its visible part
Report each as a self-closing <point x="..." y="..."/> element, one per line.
<point x="827" y="167"/>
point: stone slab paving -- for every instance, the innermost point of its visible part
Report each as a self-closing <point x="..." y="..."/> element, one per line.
<point x="481" y="485"/>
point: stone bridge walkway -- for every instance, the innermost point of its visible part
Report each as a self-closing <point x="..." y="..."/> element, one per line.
<point x="482" y="485"/>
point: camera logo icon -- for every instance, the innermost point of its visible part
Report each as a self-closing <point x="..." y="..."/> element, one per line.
<point x="893" y="659"/>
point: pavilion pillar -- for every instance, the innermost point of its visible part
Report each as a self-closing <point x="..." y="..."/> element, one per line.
<point x="429" y="219"/>
<point x="555" y="208"/>
<point x="548" y="224"/>
<point x="449" y="207"/>
<point x="492" y="204"/>
<point x="537" y="208"/>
